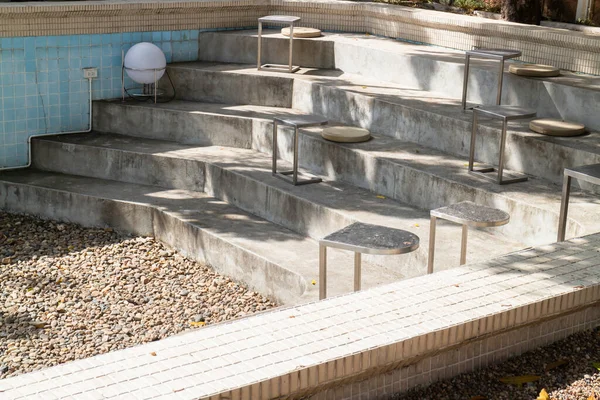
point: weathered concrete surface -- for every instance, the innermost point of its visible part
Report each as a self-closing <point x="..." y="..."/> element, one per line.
<point x="421" y="67"/>
<point x="265" y="256"/>
<point x="219" y="83"/>
<point x="411" y="173"/>
<point x="243" y="48"/>
<point x="428" y="118"/>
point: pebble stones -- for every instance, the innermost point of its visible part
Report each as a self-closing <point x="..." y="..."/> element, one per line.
<point x="566" y="370"/>
<point x="69" y="292"/>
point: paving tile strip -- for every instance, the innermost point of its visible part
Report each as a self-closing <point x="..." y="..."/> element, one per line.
<point x="402" y="320"/>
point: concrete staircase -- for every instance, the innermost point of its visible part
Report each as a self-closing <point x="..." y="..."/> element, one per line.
<point x="195" y="172"/>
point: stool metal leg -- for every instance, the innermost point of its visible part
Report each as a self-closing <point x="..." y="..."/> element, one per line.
<point x="357" y="271"/>
<point x="473" y="135"/>
<point x="291" y="47"/>
<point x="463" y="245"/>
<point x="465" y="81"/>
<point x="275" y="129"/>
<point x="500" y="79"/>
<point x="502" y="147"/>
<point x="295" y="173"/>
<point x="259" y="45"/>
<point x="564" y="208"/>
<point x="431" y="244"/>
<point x="322" y="271"/>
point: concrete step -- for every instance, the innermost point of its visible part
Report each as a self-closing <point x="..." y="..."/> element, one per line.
<point x="408" y="172"/>
<point x="220" y="83"/>
<point x="270" y="259"/>
<point x="428" y="118"/>
<point x="243" y="178"/>
<point x="413" y="66"/>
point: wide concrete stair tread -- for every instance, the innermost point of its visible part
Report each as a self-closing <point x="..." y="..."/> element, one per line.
<point x="243" y="177"/>
<point x="406" y="171"/>
<point x="246" y="40"/>
<point x="421" y="112"/>
<point x="292" y="258"/>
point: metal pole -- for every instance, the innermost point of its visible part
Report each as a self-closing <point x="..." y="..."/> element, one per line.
<point x="500" y="78"/>
<point x="465" y="81"/>
<point x="295" y="172"/>
<point x="155" y="85"/>
<point x="473" y="135"/>
<point x="502" y="146"/>
<point x="357" y="271"/>
<point x="291" y="46"/>
<point x="259" y="45"/>
<point x="463" y="245"/>
<point x="274" y="168"/>
<point x="564" y="208"/>
<point x="322" y="271"/>
<point x="430" y="259"/>
<point x="123" y="75"/>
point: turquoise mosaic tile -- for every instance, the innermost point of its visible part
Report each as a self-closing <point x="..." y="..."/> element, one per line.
<point x="42" y="89"/>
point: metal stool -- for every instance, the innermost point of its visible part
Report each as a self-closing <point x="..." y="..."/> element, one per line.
<point x="277" y="19"/>
<point x="494" y="54"/>
<point x="586" y="173"/>
<point x="363" y="238"/>
<point x="296" y="123"/>
<point x="467" y="214"/>
<point x="504" y="113"/>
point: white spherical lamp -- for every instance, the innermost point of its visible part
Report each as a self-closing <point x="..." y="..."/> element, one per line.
<point x="145" y="63"/>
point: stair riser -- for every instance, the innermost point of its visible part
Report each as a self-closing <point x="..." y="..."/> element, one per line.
<point x="265" y="201"/>
<point x="523" y="153"/>
<point x="308" y="53"/>
<point x="260" y="274"/>
<point x="423" y="189"/>
<point x="177" y="126"/>
<point x="419" y="71"/>
<point x="231" y="88"/>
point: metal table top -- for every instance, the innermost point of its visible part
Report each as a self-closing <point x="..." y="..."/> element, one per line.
<point x="507" y="112"/>
<point x="471" y="214"/>
<point x="372" y="239"/>
<point x="589" y="173"/>
<point x="280" y="19"/>
<point x="498" y="54"/>
<point x="301" y="121"/>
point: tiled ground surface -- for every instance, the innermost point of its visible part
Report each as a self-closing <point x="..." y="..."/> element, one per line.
<point x="301" y="350"/>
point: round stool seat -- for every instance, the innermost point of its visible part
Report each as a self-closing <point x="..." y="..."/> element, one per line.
<point x="302" y="32"/>
<point x="556" y="127"/>
<point x="533" y="70"/>
<point x="346" y="134"/>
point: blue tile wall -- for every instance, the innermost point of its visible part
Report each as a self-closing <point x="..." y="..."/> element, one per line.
<point x="42" y="89"/>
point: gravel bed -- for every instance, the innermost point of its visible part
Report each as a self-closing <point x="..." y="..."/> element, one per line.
<point x="69" y="292"/>
<point x="566" y="370"/>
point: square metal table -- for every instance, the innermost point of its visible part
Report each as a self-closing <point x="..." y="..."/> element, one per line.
<point x="283" y="20"/>
<point x="467" y="214"/>
<point x="587" y="173"/>
<point x="363" y="238"/>
<point x="493" y="54"/>
<point x="504" y="113"/>
<point x="295" y="122"/>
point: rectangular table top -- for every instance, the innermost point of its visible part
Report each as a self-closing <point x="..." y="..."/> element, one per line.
<point x="589" y="173"/>
<point x="281" y="19"/>
<point x="507" y="112"/>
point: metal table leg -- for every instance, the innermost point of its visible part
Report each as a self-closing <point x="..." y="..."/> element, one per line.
<point x="431" y="244"/>
<point x="463" y="245"/>
<point x="466" y="81"/>
<point x="357" y="271"/>
<point x="275" y="129"/>
<point x="322" y="271"/>
<point x="500" y="79"/>
<point x="564" y="208"/>
<point x="259" y="45"/>
<point x="291" y="47"/>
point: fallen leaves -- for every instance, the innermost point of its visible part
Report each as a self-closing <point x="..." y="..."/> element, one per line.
<point x="596" y="365"/>
<point x="380" y="196"/>
<point x="556" y="364"/>
<point x="543" y="395"/>
<point x="199" y="323"/>
<point x="313" y="282"/>
<point x="153" y="354"/>
<point x="518" y="381"/>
